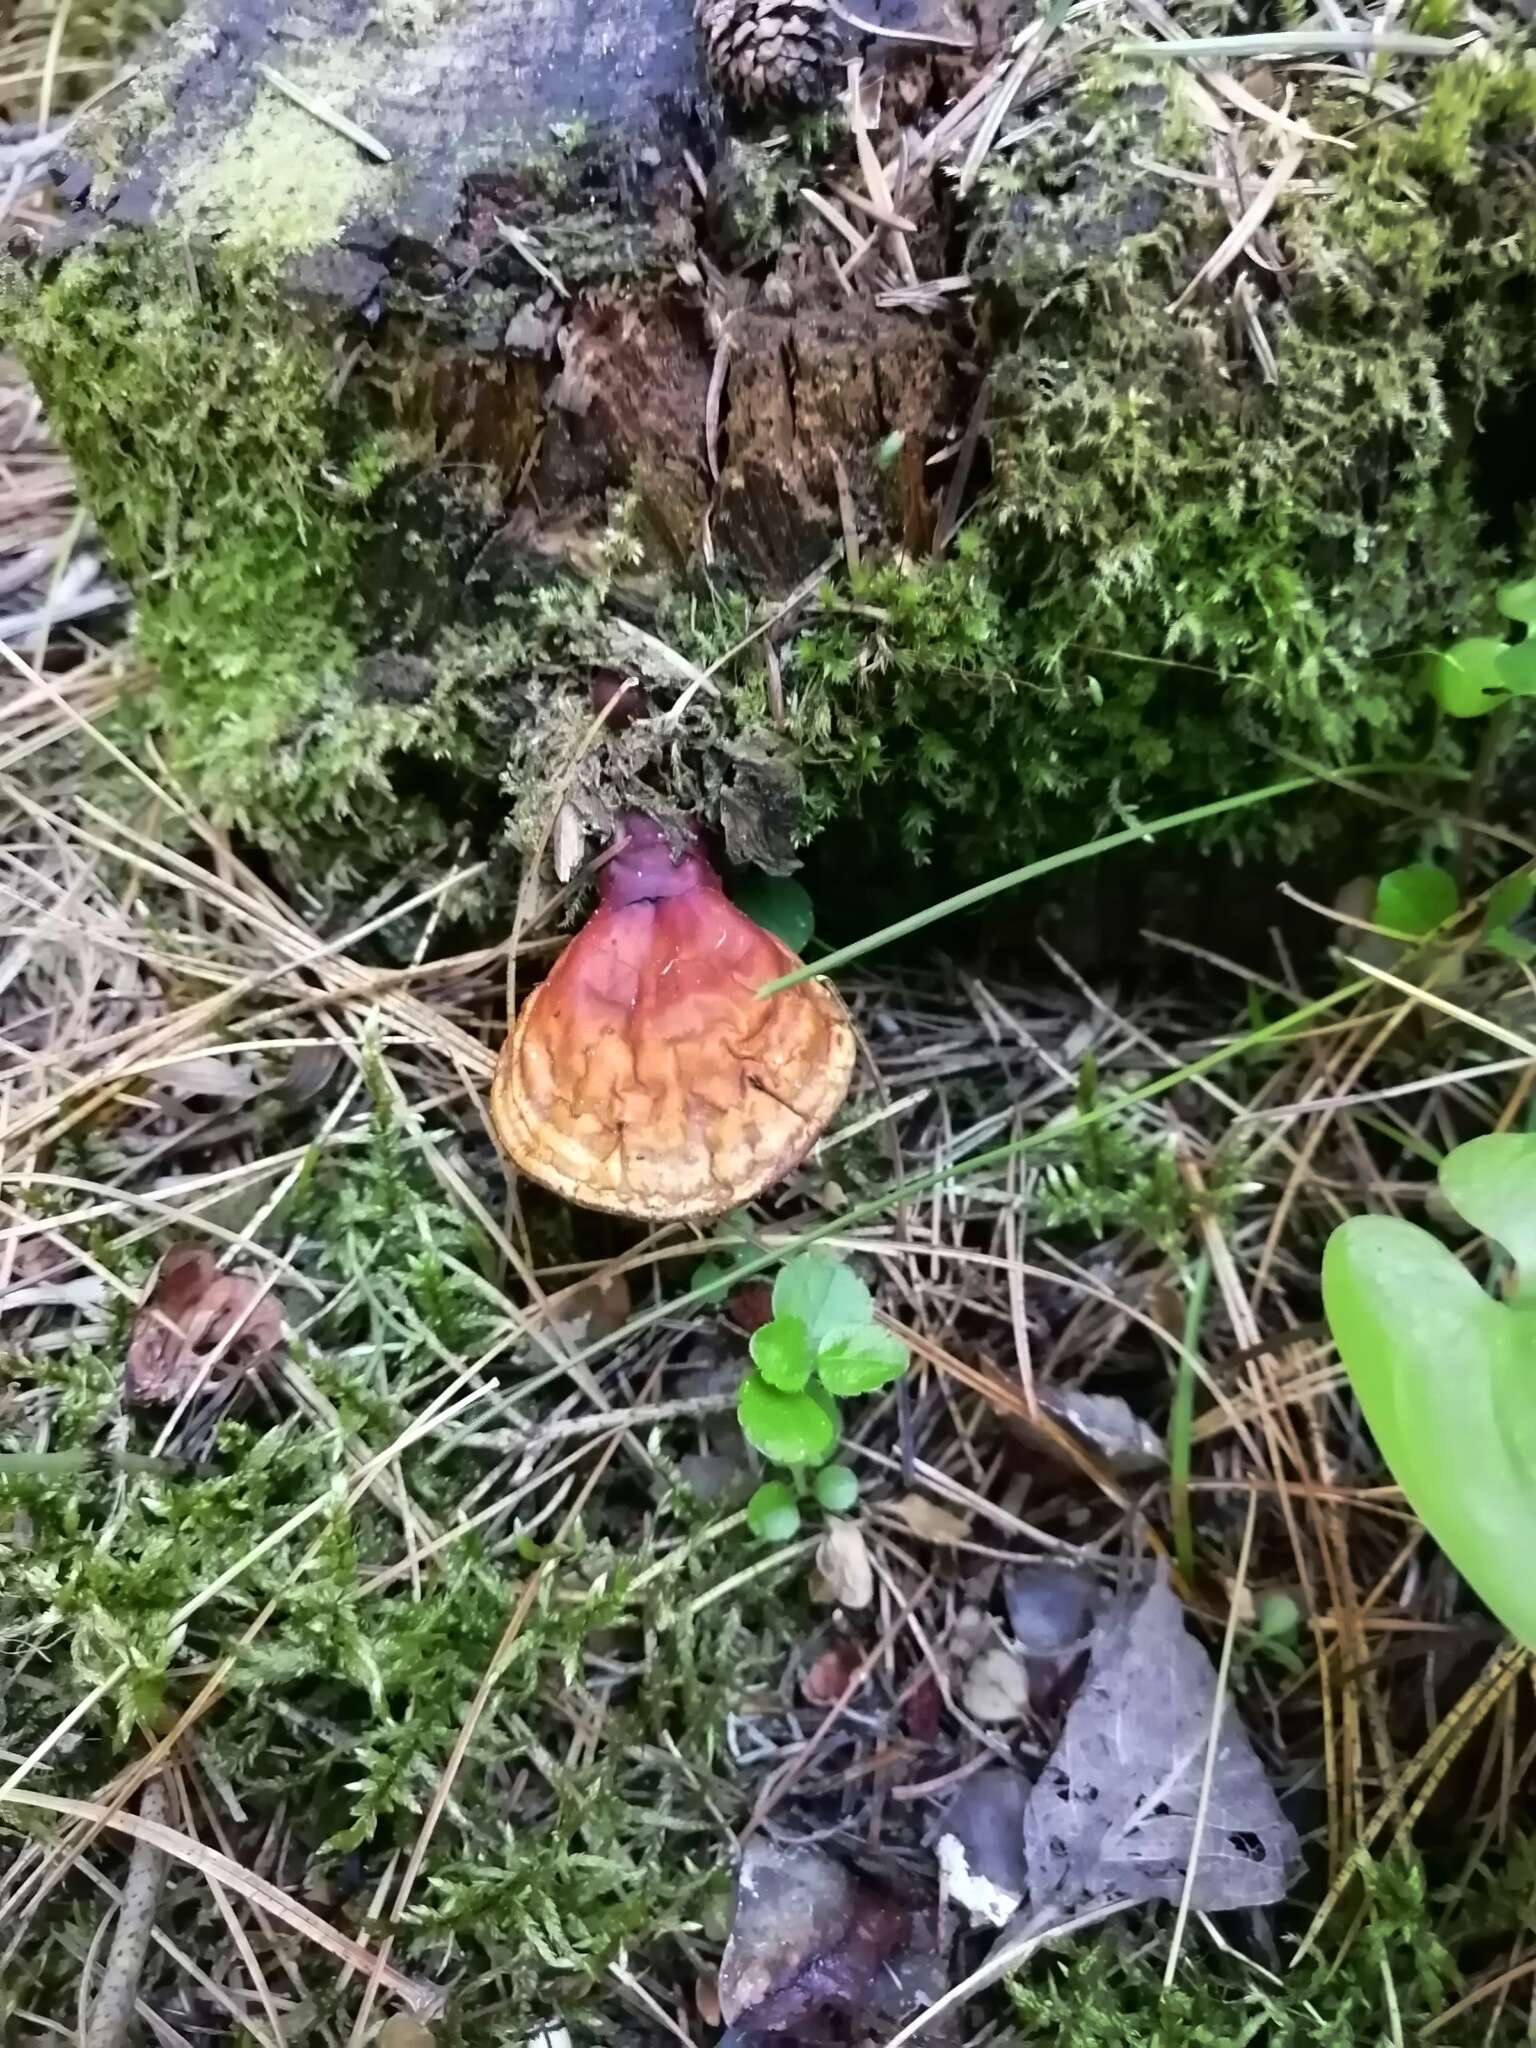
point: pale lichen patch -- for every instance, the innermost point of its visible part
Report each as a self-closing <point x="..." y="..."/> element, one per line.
<point x="282" y="180"/>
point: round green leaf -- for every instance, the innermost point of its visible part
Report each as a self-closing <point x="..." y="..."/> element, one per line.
<point x="837" y="1488"/>
<point x="791" y="1429"/>
<point x="1518" y="600"/>
<point x="779" y="905"/>
<point x="1278" y="1617"/>
<point x="859" y="1358"/>
<point x="1465" y="680"/>
<point x="773" y="1513"/>
<point x="1444" y="1375"/>
<point x="823" y="1293"/>
<point x="781" y="1351"/>
<point x="1517" y="668"/>
<point x="1507" y="914"/>
<point x="1492" y="1183"/>
<point x="1413" y="900"/>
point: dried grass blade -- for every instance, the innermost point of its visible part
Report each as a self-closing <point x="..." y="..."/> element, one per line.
<point x="212" y="1863"/>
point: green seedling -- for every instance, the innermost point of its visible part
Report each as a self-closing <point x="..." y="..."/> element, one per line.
<point x="821" y="1346"/>
<point x="1477" y="675"/>
<point x="780" y="905"/>
<point x="1445" y="1368"/>
<point x="1414" y="902"/>
<point x="1411" y="902"/>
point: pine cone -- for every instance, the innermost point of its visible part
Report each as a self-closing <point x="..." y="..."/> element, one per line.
<point x="763" y="51"/>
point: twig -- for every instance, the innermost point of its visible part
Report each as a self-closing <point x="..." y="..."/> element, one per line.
<point x="1213" y="1742"/>
<point x="1299" y="43"/>
<point x="112" y="2009"/>
<point x="926" y="38"/>
<point x="322" y="110"/>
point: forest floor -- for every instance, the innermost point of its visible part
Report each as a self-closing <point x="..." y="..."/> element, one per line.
<point x="414" y="1665"/>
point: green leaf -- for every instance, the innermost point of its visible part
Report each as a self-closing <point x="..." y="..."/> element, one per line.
<point x="791" y="1429"/>
<point x="773" y="1513"/>
<point x="1446" y="1377"/>
<point x="717" y="1274"/>
<point x="823" y="1293"/>
<point x="1412" y="901"/>
<point x="779" y="905"/>
<point x="1492" y="1183"/>
<point x="1518" y="600"/>
<point x="837" y="1488"/>
<point x="860" y="1357"/>
<point x="781" y="1351"/>
<point x="1507" y="905"/>
<point x="1465" y="680"/>
<point x="1517" y="668"/>
<point x="1279" y="1617"/>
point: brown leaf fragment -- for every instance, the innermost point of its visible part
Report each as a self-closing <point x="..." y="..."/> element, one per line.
<point x="827" y="1678"/>
<point x="192" y="1313"/>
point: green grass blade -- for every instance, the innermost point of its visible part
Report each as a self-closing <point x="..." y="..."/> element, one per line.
<point x="1052" y="864"/>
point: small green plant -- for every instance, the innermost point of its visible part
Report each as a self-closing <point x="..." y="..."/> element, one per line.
<point x="780" y="905"/>
<point x="821" y="1346"/>
<point x="1445" y="1368"/>
<point x="1414" y="901"/>
<point x="1477" y="675"/>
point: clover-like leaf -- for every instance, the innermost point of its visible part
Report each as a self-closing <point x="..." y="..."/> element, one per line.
<point x="1506" y="927"/>
<point x="1517" y="600"/>
<point x="822" y="1292"/>
<point x="1465" y="680"/>
<point x="779" y="905"/>
<point x="1414" y="900"/>
<point x="837" y="1488"/>
<point x="860" y="1357"/>
<point x="791" y="1429"/>
<point x="781" y="1351"/>
<point x="1517" y="668"/>
<point x="773" y="1513"/>
<point x="1446" y="1374"/>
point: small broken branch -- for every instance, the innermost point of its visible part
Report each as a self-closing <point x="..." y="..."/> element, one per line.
<point x="112" y="2009"/>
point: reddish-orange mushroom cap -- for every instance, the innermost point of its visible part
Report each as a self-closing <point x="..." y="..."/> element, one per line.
<point x="646" y="1075"/>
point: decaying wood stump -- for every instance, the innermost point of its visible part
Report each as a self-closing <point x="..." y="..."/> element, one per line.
<point x="543" y="222"/>
<point x="424" y="359"/>
<point x="521" y="242"/>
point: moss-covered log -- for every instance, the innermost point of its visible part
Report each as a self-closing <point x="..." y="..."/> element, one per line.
<point x="398" y="455"/>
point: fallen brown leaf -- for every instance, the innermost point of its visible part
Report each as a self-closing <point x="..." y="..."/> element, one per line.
<point x="191" y="1313"/>
<point x="926" y="1519"/>
<point x="844" y="1576"/>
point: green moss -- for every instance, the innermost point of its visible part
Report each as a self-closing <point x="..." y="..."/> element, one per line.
<point x="1179" y="568"/>
<point x="336" y="1723"/>
<point x="1397" y="1974"/>
<point x="237" y="499"/>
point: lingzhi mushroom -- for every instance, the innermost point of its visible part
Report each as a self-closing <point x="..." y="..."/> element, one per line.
<point x="646" y="1075"/>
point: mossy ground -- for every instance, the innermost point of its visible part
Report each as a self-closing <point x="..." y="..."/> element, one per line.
<point x="1180" y="573"/>
<point x="560" y="1851"/>
<point x="1174" y="570"/>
